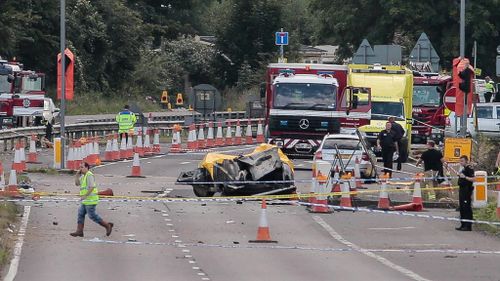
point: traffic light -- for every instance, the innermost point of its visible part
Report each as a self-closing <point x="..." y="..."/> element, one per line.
<point x="179" y="101"/>
<point x="164" y="97"/>
<point x="462" y="81"/>
<point x="69" y="73"/>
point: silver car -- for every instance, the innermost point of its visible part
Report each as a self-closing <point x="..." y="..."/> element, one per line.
<point x="349" y="148"/>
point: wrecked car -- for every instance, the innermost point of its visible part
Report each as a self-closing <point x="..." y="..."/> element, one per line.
<point x="249" y="174"/>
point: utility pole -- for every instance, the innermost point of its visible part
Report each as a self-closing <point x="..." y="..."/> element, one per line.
<point x="463" y="121"/>
<point x="63" y="80"/>
<point x="282" y="51"/>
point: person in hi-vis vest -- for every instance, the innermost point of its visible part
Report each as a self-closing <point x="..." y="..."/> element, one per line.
<point x="89" y="198"/>
<point x="126" y="121"/>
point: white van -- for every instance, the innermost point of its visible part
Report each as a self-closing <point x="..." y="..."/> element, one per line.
<point x="488" y="121"/>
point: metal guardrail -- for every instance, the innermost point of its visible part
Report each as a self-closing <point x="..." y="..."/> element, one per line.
<point x="164" y="123"/>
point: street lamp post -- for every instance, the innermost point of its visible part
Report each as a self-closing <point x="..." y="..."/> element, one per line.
<point x="463" y="121"/>
<point x="63" y="80"/>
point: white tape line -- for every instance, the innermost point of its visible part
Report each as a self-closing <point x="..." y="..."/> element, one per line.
<point x="301" y="248"/>
<point x="14" y="264"/>
<point x="408" y="273"/>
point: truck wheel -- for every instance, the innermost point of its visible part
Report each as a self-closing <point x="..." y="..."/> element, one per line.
<point x="203" y="191"/>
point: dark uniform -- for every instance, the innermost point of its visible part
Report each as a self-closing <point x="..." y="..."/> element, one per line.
<point x="465" y="196"/>
<point x="398" y="132"/>
<point x="432" y="162"/>
<point x="387" y="142"/>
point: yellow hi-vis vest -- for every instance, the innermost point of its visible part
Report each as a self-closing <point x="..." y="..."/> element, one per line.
<point x="126" y="121"/>
<point x="93" y="197"/>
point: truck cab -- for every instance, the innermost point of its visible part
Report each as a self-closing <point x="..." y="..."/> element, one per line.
<point x="391" y="93"/>
<point x="428" y="107"/>
<point x="306" y="102"/>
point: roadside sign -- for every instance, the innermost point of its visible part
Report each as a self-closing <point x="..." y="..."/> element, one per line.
<point x="281" y="38"/>
<point x="478" y="71"/>
<point x="450" y="98"/>
<point x="456" y="147"/>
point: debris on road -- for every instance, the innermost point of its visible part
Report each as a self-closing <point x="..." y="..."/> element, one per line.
<point x="254" y="171"/>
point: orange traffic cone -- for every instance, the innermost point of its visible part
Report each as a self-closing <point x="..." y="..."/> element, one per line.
<point x="219" y="140"/>
<point x="108" y="152"/>
<point x="96" y="152"/>
<point x="139" y="147"/>
<point x="148" y="150"/>
<point x="201" y="137"/>
<point x="210" y="135"/>
<point x="32" y="155"/>
<point x="16" y="165"/>
<point x="229" y="135"/>
<point x="156" y="141"/>
<point x="417" y="204"/>
<point x="78" y="155"/>
<point x="192" y="143"/>
<point x="176" y="141"/>
<point x="106" y="192"/>
<point x="260" y="133"/>
<point x="248" y="133"/>
<point x="336" y="183"/>
<point x="357" y="174"/>
<point x="70" y="163"/>
<point x="345" y="198"/>
<point x="263" y="235"/>
<point x="12" y="189"/>
<point x="237" y="134"/>
<point x="130" y="145"/>
<point x="321" y="204"/>
<point x="22" y="155"/>
<point x="136" y="167"/>
<point x="2" y="180"/>
<point x="383" y="201"/>
<point x="123" y="147"/>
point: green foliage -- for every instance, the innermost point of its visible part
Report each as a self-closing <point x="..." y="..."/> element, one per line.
<point x="487" y="214"/>
<point x="346" y="23"/>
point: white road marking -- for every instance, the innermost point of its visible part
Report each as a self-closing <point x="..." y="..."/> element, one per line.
<point x="392" y="228"/>
<point x="195" y="268"/>
<point x="14" y="263"/>
<point x="184" y="163"/>
<point x="408" y="273"/>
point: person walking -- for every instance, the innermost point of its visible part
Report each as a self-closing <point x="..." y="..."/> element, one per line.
<point x="386" y="142"/>
<point x="126" y="121"/>
<point x="465" y="184"/>
<point x="89" y="198"/>
<point x="398" y="132"/>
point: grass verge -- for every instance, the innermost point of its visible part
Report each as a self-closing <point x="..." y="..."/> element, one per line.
<point x="488" y="214"/>
<point x="95" y="103"/>
<point x="8" y="217"/>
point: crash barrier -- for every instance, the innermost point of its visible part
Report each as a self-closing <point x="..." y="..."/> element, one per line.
<point x="201" y="137"/>
<point x="281" y="198"/>
<point x="8" y="137"/>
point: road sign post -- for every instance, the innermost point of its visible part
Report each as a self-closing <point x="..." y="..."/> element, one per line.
<point x="281" y="40"/>
<point x="63" y="78"/>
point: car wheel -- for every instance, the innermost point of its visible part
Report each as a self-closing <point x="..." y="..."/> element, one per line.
<point x="203" y="191"/>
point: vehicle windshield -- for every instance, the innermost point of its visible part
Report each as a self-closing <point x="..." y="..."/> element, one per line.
<point x="426" y="95"/>
<point x="32" y="83"/>
<point x="4" y="85"/>
<point x="345" y="144"/>
<point x="381" y="110"/>
<point x="305" y="96"/>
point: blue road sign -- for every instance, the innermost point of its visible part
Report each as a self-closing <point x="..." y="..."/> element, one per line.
<point x="281" y="38"/>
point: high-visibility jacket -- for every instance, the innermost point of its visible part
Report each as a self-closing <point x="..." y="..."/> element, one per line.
<point x="490" y="87"/>
<point x="93" y="197"/>
<point x="126" y="121"/>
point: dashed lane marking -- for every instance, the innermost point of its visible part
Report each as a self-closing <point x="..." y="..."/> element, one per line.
<point x="408" y="273"/>
<point x="14" y="264"/>
<point x="392" y="228"/>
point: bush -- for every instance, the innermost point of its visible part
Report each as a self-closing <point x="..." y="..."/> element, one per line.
<point x="97" y="103"/>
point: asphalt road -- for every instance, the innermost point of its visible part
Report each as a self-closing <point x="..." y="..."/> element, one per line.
<point x="195" y="241"/>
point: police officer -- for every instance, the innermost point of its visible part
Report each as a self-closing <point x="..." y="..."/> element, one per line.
<point x="490" y="89"/>
<point x="386" y="142"/>
<point x="398" y="133"/>
<point x="465" y="184"/>
<point x="89" y="198"/>
<point x="126" y="121"/>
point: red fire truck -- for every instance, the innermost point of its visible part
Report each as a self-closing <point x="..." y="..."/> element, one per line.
<point x="304" y="102"/>
<point x="22" y="96"/>
<point x="428" y="107"/>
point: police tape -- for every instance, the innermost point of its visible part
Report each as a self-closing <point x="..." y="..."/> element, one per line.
<point x="293" y="247"/>
<point x="297" y="196"/>
<point x="400" y="213"/>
